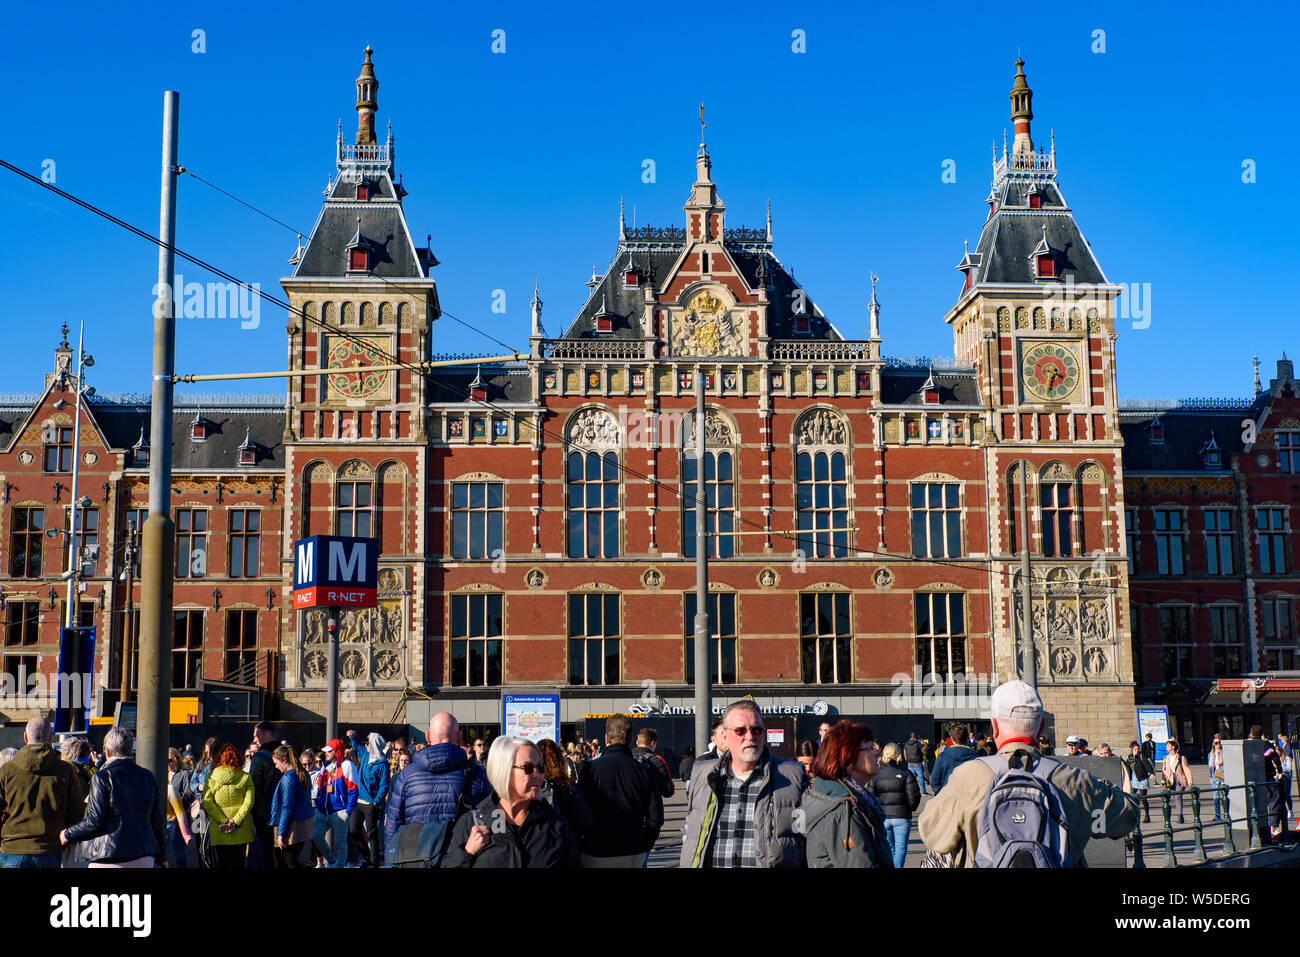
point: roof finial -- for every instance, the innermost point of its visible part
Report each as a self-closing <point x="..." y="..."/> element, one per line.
<point x="1255" y="362"/>
<point x="622" y="225"/>
<point x="1021" y="113"/>
<point x="367" y="102"/>
<point x="873" y="308"/>
<point x="769" y="219"/>
<point x="64" y="343"/>
<point x="536" y="306"/>
<point x="702" y="123"/>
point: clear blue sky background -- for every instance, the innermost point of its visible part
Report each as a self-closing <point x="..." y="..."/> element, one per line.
<point x="515" y="163"/>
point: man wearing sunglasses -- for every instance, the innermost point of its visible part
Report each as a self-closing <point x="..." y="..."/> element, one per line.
<point x="744" y="815"/>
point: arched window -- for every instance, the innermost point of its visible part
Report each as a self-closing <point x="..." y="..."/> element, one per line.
<point x="822" y="484"/>
<point x="592" y="485"/>
<point x="719" y="489"/>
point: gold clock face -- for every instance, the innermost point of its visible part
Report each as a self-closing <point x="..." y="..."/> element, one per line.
<point x="1049" y="371"/>
<point x="356" y="355"/>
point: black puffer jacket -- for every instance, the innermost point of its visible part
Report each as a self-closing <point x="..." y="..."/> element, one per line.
<point x="124" y="804"/>
<point x="624" y="798"/>
<point x="897" y="791"/>
<point x="543" y="840"/>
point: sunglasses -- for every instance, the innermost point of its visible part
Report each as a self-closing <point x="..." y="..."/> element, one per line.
<point x="529" y="768"/>
<point x="756" y="731"/>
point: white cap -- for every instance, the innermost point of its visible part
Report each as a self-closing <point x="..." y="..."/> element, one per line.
<point x="1072" y="739"/>
<point x="1015" y="699"/>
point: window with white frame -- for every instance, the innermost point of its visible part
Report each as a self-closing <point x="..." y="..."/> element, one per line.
<point x="1169" y="526"/>
<point x="936" y="519"/>
<point x="1220" y="530"/>
<point x="1058" y="516"/>
<point x="940" y="633"/>
<point x="825" y="638"/>
<point x="1277" y="615"/>
<point x="1288" y="452"/>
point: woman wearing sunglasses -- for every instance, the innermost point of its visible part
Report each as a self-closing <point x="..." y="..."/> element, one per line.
<point x="512" y="827"/>
<point x="845" y="822"/>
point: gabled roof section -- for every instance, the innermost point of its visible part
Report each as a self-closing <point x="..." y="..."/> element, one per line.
<point x="506" y="382"/>
<point x="1189" y="427"/>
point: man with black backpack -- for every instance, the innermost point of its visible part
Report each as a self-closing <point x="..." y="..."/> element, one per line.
<point x="1019" y="808"/>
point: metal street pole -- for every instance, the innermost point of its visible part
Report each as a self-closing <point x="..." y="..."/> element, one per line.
<point x="159" y="546"/>
<point x="703" y="675"/>
<point x="70" y="615"/>
<point x="332" y="678"/>
<point x="128" y="629"/>
<point x="1026" y="589"/>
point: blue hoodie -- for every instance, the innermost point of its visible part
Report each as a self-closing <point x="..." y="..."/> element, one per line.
<point x="372" y="773"/>
<point x="429" y="789"/>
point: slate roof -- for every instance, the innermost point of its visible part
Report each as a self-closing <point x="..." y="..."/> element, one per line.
<point x="1009" y="237"/>
<point x="382" y="223"/>
<point x="227" y="426"/>
<point x="504" y="383"/>
<point x="628" y="304"/>
<point x="1185" y="433"/>
<point x="903" y="387"/>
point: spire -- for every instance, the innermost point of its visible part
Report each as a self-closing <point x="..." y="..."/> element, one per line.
<point x="536" y="305"/>
<point x="873" y="309"/>
<point x="702" y="162"/>
<point x="622" y="223"/>
<point x="1021" y="113"/>
<point x="1254" y="362"/>
<point x="769" y="220"/>
<point x="703" y="209"/>
<point x="594" y="281"/>
<point x="367" y="102"/>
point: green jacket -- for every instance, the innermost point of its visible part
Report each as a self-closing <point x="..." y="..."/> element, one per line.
<point x="228" y="796"/>
<point x="42" y="794"/>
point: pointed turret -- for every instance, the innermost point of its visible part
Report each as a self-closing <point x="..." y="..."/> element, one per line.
<point x="1021" y="113"/>
<point x="873" y="310"/>
<point x="703" y="209"/>
<point x="536" y="304"/>
<point x="367" y="102"/>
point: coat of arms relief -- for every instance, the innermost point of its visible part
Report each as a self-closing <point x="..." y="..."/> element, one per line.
<point x="705" y="327"/>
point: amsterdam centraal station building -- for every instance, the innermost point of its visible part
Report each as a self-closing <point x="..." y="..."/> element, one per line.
<point x="536" y="516"/>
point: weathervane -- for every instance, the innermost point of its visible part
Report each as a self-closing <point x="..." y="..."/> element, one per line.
<point x="702" y="123"/>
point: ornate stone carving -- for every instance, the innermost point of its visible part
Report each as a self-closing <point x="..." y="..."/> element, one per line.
<point x="768" y="578"/>
<point x="316" y="627"/>
<point x="536" y="578"/>
<point x="1095" y="661"/>
<point x="1057" y="472"/>
<point x="883" y="578"/>
<point x="822" y="427"/>
<point x="1064" y="661"/>
<point x="320" y="472"/>
<point x="352" y="664"/>
<point x="706" y="328"/>
<point x="388" y="665"/>
<point x="593" y="428"/>
<point x="1095" y="623"/>
<point x="315" y="665"/>
<point x="717" y="430"/>
<point x="390" y="583"/>
<point x="355" y="468"/>
<point x="652" y="578"/>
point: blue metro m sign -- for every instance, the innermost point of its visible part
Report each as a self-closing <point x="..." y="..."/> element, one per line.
<point x="335" y="571"/>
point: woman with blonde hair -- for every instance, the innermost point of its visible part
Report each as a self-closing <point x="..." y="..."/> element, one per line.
<point x="292" y="815"/>
<point x="512" y="827"/>
<point x="899" y="794"/>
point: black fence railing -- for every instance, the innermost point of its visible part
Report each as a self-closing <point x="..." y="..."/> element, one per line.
<point x="1255" y="819"/>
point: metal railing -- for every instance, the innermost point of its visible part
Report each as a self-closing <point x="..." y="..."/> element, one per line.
<point x="1254" y="818"/>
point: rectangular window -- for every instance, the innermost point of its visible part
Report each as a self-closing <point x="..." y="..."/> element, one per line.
<point x="593" y="639"/>
<point x="22" y="623"/>
<point x="1270" y="524"/>
<point x="245" y="531"/>
<point x="25" y="543"/>
<point x="87" y="537"/>
<point x="593" y="505"/>
<point x="58" y="450"/>
<point x="1176" y="642"/>
<point x="1288" y="452"/>
<point x="940" y="633"/>
<point x="191" y="544"/>
<point x="1219" y="534"/>
<point x="1225" y="640"/>
<point x="722" y="634"/>
<point x="476" y="640"/>
<point x="719" y="503"/>
<point x="1057" y="517"/>
<point x="187" y="649"/>
<point x="241" y="645"/>
<point x="477" y="519"/>
<point x="1169" y="531"/>
<point x="20" y="672"/>
<point x="353" y="510"/>
<point x="1131" y="538"/>
<point x="821" y="504"/>
<point x="826" y="638"/>
<point x="1279" y="639"/>
<point x="936" y="521"/>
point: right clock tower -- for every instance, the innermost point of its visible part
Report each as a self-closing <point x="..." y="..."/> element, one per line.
<point x="1036" y="319"/>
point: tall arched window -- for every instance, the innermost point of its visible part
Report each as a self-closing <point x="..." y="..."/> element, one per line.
<point x="822" y="485"/>
<point x="592" y="485"/>
<point x="719" y="489"/>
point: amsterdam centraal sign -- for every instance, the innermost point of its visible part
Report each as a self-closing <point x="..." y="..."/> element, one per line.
<point x="661" y="706"/>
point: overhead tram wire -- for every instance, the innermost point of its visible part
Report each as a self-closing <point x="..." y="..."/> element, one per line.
<point x="791" y="535"/>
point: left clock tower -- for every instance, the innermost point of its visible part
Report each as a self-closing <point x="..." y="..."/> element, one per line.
<point x="363" y="301"/>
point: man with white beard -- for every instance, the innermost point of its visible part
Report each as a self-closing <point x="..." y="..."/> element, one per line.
<point x="743" y="807"/>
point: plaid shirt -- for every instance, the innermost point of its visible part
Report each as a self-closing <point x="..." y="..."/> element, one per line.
<point x="733" y="837"/>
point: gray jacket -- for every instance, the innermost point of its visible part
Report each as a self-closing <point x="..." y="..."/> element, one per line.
<point x="841" y="833"/>
<point x="776" y="842"/>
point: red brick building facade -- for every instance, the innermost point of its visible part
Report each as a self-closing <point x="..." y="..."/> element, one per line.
<point x="536" y="517"/>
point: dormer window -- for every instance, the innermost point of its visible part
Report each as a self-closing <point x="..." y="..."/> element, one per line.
<point x="358" y="259"/>
<point x="363" y="191"/>
<point x="930" y="391"/>
<point x="802" y="326"/>
<point x="1210" y="454"/>
<point x="1156" y="432"/>
<point x="1035" y="200"/>
<point x="478" y="388"/>
<point x="1046" y="266"/>
<point x="604" y="318"/>
<point x="198" y="429"/>
<point x="140" y="456"/>
<point x="632" y="278"/>
<point x="248" y="456"/>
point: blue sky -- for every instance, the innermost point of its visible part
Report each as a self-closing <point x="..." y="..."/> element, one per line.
<point x="515" y="162"/>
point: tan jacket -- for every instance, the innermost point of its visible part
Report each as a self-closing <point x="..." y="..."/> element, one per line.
<point x="952" y="817"/>
<point x="1176" y="771"/>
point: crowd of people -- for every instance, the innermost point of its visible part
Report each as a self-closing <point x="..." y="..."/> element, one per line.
<point x="847" y="800"/>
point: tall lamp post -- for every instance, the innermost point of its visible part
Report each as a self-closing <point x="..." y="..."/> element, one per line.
<point x="73" y="572"/>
